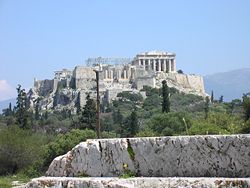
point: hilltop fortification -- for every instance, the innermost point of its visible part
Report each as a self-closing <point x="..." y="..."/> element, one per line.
<point x="69" y="87"/>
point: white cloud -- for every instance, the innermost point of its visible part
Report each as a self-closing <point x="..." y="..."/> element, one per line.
<point x="6" y="90"/>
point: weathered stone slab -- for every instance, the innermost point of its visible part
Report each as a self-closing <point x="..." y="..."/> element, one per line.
<point x="180" y="156"/>
<point x="69" y="182"/>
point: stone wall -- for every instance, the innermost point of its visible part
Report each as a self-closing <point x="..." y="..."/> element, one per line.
<point x="182" y="156"/>
<point x="84" y="77"/>
<point x="145" y="81"/>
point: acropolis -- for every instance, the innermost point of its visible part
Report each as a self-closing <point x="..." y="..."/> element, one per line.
<point x="116" y="75"/>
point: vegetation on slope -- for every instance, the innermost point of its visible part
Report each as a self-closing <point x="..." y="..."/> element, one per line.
<point x="30" y="141"/>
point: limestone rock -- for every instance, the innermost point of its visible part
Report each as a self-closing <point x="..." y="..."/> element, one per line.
<point x="186" y="83"/>
<point x="182" y="156"/>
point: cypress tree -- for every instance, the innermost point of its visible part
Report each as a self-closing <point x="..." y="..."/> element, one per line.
<point x="221" y="99"/>
<point x="165" y="96"/>
<point x="212" y="96"/>
<point x="8" y="111"/>
<point x="89" y="113"/>
<point x="132" y="125"/>
<point x="206" y="108"/>
<point x="21" y="108"/>
<point x="37" y="114"/>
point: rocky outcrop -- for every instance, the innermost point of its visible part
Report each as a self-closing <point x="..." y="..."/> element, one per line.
<point x="44" y="87"/>
<point x="182" y="156"/>
<point x="66" y="182"/>
<point x="59" y="93"/>
<point x="186" y="83"/>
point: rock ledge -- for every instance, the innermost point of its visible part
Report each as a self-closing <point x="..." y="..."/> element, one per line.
<point x="178" y="156"/>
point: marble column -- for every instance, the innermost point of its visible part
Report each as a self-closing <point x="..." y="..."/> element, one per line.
<point x="144" y="64"/>
<point x="150" y="65"/>
<point x="164" y="65"/>
<point x="106" y="74"/>
<point x="129" y="73"/>
<point x="169" y="65"/>
<point x="118" y="74"/>
<point x="174" y="65"/>
<point x="125" y="74"/>
<point x="111" y="74"/>
<point x="154" y="63"/>
<point x="159" y="65"/>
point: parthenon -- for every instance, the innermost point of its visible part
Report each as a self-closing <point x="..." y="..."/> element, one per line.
<point x="142" y="68"/>
<point x="156" y="61"/>
<point x="117" y="75"/>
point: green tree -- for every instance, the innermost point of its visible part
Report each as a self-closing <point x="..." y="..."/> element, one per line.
<point x="205" y="128"/>
<point x="8" y="111"/>
<point x="89" y="114"/>
<point x="151" y="102"/>
<point x="206" y="107"/>
<point x="221" y="99"/>
<point x="19" y="149"/>
<point x="180" y="71"/>
<point x="117" y="117"/>
<point x="212" y="96"/>
<point x="173" y="123"/>
<point x="22" y="108"/>
<point x="131" y="124"/>
<point x="78" y="105"/>
<point x="37" y="113"/>
<point x="63" y="143"/>
<point x="135" y="97"/>
<point x="246" y="127"/>
<point x="165" y="96"/>
<point x="246" y="105"/>
<point x="118" y="121"/>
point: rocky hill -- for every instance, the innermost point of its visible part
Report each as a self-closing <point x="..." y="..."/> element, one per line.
<point x="68" y="89"/>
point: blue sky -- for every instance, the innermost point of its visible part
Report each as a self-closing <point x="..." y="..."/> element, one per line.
<point x="39" y="37"/>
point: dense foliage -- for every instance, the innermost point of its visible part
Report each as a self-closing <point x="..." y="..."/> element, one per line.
<point x="29" y="141"/>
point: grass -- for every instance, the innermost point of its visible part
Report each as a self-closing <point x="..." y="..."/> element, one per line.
<point x="6" y="181"/>
<point x="130" y="151"/>
<point x="127" y="174"/>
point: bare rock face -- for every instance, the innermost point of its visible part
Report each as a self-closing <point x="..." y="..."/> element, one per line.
<point x="66" y="182"/>
<point x="182" y="156"/>
<point x="186" y="83"/>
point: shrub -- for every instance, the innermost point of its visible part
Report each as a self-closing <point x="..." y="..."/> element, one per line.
<point x="19" y="149"/>
<point x="65" y="142"/>
<point x="170" y="124"/>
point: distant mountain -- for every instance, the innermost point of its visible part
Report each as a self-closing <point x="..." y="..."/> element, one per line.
<point x="231" y="84"/>
<point x="5" y="104"/>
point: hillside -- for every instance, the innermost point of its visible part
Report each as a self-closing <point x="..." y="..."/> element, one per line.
<point x="231" y="84"/>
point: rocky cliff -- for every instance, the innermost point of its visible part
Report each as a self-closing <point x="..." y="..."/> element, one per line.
<point x="186" y="83"/>
<point x="182" y="156"/>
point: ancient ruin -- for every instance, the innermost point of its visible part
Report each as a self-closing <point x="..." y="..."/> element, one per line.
<point x="69" y="87"/>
